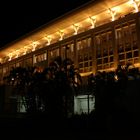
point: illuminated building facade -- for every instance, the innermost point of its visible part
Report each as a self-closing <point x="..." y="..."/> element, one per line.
<point x="99" y="35"/>
<point x="96" y="36"/>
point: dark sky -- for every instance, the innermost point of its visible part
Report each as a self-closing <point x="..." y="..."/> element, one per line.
<point x="21" y="17"/>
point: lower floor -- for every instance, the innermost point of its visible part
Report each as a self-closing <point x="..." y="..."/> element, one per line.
<point x="82" y="104"/>
<point x="77" y="104"/>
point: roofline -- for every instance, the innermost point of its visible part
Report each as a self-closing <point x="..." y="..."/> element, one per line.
<point x="49" y="23"/>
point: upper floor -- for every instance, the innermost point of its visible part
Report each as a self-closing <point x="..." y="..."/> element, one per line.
<point x="87" y="17"/>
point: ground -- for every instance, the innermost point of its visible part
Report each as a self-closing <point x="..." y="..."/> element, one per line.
<point x="76" y="128"/>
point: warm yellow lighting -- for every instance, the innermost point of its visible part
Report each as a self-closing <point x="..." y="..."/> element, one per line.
<point x="108" y="69"/>
<point x="76" y="28"/>
<point x="10" y="56"/>
<point x="17" y="53"/>
<point x="112" y="13"/>
<point x="48" y="38"/>
<point x="92" y="21"/>
<point x="135" y="4"/>
<point x="116" y="77"/>
<point x="85" y="74"/>
<point x="137" y="65"/>
<point x="34" y="45"/>
<point x="61" y="33"/>
<point x="73" y="22"/>
<point x="25" y="50"/>
<point x="0" y="60"/>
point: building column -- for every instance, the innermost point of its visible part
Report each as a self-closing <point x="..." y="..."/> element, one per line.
<point x="34" y="60"/>
<point x="138" y="34"/>
<point x="60" y="52"/>
<point x="114" y="44"/>
<point x="46" y="56"/>
<point x="75" y="54"/>
<point x="49" y="57"/>
<point x="94" y="66"/>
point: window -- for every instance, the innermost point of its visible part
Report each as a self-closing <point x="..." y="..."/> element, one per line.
<point x="67" y="50"/>
<point x="110" y="51"/>
<point x="127" y="42"/>
<point x="98" y="40"/>
<point x="135" y="46"/>
<point x="84" y="51"/>
<point x="86" y="64"/>
<point x="121" y="57"/>
<point x="90" y="64"/>
<point x="118" y="34"/>
<point x="106" y="60"/>
<point x="104" y="49"/>
<point x="111" y="59"/>
<point x="105" y="53"/>
<point x="54" y="53"/>
<point x="136" y="53"/>
<point x="86" y="57"/>
<point x="129" y="55"/>
<point x="81" y="65"/>
<point x="127" y="47"/>
<point x="120" y="49"/>
<point x="89" y="42"/>
<point x="99" y="61"/>
<point x="80" y="58"/>
<point x="41" y="57"/>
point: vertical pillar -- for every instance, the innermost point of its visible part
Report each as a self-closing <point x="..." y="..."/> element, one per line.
<point x="59" y="47"/>
<point x="138" y="34"/>
<point x="34" y="60"/>
<point x="75" y="54"/>
<point x="114" y="44"/>
<point x="46" y="53"/>
<point x="49" y="56"/>
<point x="94" y="66"/>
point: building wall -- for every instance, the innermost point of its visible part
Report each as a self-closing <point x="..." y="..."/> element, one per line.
<point x="99" y="49"/>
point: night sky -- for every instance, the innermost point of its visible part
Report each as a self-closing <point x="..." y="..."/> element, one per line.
<point x="20" y="18"/>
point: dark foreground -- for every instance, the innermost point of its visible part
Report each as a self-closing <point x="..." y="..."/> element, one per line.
<point x="124" y="126"/>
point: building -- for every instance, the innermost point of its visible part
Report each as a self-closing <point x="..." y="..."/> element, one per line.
<point x="96" y="36"/>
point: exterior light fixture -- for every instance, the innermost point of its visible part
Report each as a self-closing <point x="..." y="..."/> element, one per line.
<point x="61" y="33"/>
<point x="17" y="53"/>
<point x="92" y="21"/>
<point x="76" y="28"/>
<point x="112" y="13"/>
<point x="10" y="56"/>
<point x="34" y="45"/>
<point x="25" y="50"/>
<point x="48" y="38"/>
<point x="135" y="4"/>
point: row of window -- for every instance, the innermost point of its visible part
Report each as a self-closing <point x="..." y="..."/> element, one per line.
<point x="126" y="40"/>
<point x="102" y="46"/>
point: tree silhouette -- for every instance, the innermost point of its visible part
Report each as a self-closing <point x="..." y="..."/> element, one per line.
<point x="49" y="90"/>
